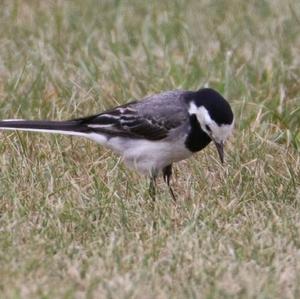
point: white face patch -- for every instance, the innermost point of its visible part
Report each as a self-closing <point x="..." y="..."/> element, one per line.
<point x="209" y="126"/>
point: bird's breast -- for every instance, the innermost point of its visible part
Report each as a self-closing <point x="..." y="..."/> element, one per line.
<point x="149" y="157"/>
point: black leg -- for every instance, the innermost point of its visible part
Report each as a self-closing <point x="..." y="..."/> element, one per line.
<point x="152" y="187"/>
<point x="167" y="173"/>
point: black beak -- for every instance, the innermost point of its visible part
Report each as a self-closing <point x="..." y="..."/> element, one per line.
<point x="220" y="148"/>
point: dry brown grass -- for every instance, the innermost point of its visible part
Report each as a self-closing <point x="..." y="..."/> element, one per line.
<point x="74" y="223"/>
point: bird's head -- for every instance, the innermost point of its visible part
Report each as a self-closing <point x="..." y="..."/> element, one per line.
<point x="214" y="115"/>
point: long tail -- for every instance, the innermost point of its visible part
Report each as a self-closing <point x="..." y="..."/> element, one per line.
<point x="69" y="127"/>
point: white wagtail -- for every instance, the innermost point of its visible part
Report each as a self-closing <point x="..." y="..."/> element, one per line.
<point x="152" y="133"/>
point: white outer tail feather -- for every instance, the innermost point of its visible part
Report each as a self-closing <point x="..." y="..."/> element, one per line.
<point x="96" y="137"/>
<point x="45" y="131"/>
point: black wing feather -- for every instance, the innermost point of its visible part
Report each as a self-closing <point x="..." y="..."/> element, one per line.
<point x="152" y="118"/>
<point x="126" y="123"/>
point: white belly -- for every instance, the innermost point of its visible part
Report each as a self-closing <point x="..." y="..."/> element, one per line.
<point x="147" y="157"/>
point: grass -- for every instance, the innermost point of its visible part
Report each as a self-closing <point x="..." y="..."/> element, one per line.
<point x="74" y="223"/>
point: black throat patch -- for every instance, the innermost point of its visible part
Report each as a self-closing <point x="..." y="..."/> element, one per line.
<point x="197" y="139"/>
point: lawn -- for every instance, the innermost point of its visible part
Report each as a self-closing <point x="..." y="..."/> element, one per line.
<point x="75" y="223"/>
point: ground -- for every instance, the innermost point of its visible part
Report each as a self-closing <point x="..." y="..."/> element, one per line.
<point x="75" y="223"/>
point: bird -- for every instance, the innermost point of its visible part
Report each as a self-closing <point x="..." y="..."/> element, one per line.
<point x="152" y="133"/>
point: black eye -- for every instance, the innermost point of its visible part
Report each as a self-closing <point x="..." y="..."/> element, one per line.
<point x="208" y="128"/>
